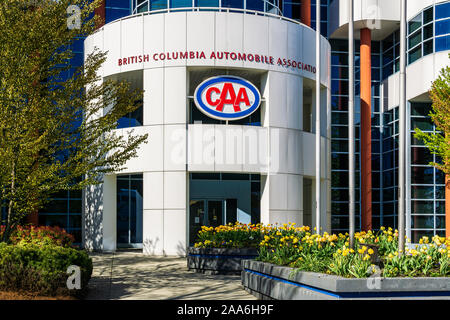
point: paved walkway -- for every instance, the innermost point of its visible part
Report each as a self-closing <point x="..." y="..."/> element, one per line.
<point x="132" y="275"/>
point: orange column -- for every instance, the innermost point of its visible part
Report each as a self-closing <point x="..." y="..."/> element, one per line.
<point x="366" y="126"/>
<point x="447" y="206"/>
<point x="33" y="218"/>
<point x="306" y="12"/>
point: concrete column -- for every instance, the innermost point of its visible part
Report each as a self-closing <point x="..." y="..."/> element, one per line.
<point x="306" y="12"/>
<point x="109" y="213"/>
<point x="366" y="126"/>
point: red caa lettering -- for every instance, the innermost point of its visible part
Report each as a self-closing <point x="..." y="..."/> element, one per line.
<point x="242" y="97"/>
<point x="234" y="100"/>
<point x="209" y="94"/>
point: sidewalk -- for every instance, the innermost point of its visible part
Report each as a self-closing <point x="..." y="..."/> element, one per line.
<point x="132" y="275"/>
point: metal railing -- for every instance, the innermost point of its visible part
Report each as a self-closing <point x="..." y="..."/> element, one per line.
<point x="214" y="9"/>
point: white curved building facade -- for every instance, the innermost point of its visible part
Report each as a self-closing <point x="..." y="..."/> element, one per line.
<point x="196" y="170"/>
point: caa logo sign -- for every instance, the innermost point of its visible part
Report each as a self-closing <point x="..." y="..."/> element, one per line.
<point x="227" y="98"/>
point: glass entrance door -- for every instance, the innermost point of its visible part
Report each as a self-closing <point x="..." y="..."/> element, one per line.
<point x="202" y="212"/>
<point x="210" y="213"/>
<point x="129" y="211"/>
<point x="215" y="213"/>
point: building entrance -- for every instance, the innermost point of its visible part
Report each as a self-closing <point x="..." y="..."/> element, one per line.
<point x="211" y="213"/>
<point x="219" y="198"/>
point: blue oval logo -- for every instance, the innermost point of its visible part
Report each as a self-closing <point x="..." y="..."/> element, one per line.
<point x="227" y="98"/>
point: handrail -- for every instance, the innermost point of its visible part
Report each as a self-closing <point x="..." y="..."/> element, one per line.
<point x="216" y="9"/>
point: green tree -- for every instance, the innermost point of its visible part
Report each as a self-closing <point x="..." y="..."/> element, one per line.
<point x="54" y="134"/>
<point x="439" y="143"/>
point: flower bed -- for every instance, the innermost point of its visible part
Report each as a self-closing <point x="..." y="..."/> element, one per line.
<point x="220" y="250"/>
<point x="294" y="263"/>
<point x="302" y="249"/>
<point x="236" y="235"/>
<point x="269" y="281"/>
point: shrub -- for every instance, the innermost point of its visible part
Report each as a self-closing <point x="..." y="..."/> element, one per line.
<point x="41" y="235"/>
<point x="41" y="268"/>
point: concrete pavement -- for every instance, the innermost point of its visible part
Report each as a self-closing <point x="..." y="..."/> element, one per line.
<point x="132" y="275"/>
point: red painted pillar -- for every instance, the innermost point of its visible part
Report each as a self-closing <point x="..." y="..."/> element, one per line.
<point x="33" y="219"/>
<point x="306" y="12"/>
<point x="101" y="12"/>
<point x="366" y="126"/>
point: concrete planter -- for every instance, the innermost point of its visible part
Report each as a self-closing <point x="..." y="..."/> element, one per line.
<point x="218" y="261"/>
<point x="268" y="281"/>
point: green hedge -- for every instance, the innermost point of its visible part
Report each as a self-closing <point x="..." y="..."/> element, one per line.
<point x="42" y="268"/>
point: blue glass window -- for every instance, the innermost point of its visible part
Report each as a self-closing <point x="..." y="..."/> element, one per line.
<point x="443" y="11"/>
<point x="143" y="8"/>
<point x="239" y="4"/>
<point x="180" y="3"/>
<point x="442" y="27"/>
<point x="442" y="43"/>
<point x="78" y="45"/>
<point x="118" y="4"/>
<point x="158" y="5"/>
<point x="206" y="3"/>
<point x="114" y="14"/>
<point x="132" y="119"/>
<point x="257" y="5"/>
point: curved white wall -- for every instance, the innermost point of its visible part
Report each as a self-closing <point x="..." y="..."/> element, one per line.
<point x="380" y="15"/>
<point x="279" y="150"/>
<point x="419" y="77"/>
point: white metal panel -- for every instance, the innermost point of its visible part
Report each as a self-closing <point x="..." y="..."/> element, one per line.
<point x="153" y="232"/>
<point x="277" y="100"/>
<point x="153" y="190"/>
<point x="175" y="190"/>
<point x="175" y="36"/>
<point x="175" y="95"/>
<point x="229" y="33"/>
<point x="278" y="150"/>
<point x="278" y="192"/>
<point x="175" y="230"/>
<point x="254" y="149"/>
<point x="294" y="151"/>
<point x="132" y="44"/>
<point x="199" y="38"/>
<point x="295" y="192"/>
<point x="154" y="96"/>
<point x="228" y="148"/>
<point x="294" y="102"/>
<point x="201" y="147"/>
<point x="309" y="51"/>
<point x="175" y="147"/>
<point x="154" y="34"/>
<point x="278" y="41"/>
<point x="112" y="44"/>
<point x="256" y="40"/>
